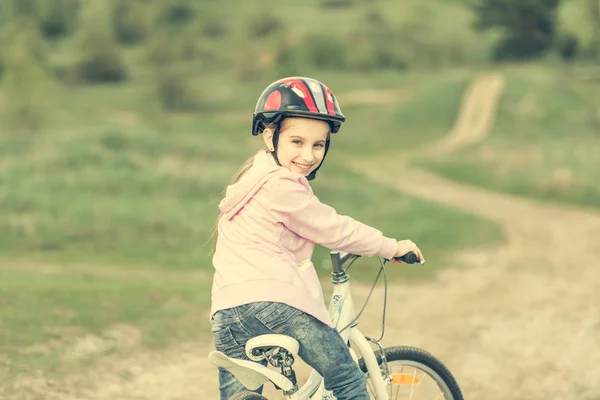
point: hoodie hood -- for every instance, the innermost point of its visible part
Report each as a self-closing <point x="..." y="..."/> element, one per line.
<point x="239" y="193"/>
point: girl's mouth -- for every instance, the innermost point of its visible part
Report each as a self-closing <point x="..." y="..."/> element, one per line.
<point x="303" y="167"/>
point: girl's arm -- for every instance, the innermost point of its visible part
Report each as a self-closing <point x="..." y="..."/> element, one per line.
<point x="300" y="211"/>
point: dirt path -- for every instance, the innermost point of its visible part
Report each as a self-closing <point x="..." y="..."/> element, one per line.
<point x="521" y="321"/>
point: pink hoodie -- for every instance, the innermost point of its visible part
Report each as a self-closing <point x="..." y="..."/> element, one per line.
<point x="270" y="223"/>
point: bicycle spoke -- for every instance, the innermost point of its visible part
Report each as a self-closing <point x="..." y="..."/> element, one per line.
<point x="398" y="392"/>
<point x="412" y="388"/>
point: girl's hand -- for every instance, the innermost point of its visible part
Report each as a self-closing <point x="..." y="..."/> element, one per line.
<point x="404" y="246"/>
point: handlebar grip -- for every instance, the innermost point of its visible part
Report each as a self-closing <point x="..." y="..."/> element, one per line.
<point x="409" y="258"/>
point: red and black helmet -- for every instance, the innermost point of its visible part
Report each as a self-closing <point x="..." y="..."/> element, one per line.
<point x="296" y="97"/>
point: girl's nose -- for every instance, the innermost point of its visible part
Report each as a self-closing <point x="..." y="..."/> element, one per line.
<point x="308" y="155"/>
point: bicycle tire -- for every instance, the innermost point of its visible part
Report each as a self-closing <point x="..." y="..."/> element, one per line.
<point x="247" y="396"/>
<point x="411" y="356"/>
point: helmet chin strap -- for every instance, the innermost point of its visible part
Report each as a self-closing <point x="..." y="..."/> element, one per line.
<point x="310" y="176"/>
<point x="275" y="142"/>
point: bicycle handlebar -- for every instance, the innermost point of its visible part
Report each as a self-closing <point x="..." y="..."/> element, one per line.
<point x="338" y="259"/>
<point x="409" y="258"/>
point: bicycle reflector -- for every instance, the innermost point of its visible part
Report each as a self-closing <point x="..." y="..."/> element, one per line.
<point x="404" y="379"/>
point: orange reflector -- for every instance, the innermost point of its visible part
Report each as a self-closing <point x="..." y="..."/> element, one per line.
<point x="404" y="379"/>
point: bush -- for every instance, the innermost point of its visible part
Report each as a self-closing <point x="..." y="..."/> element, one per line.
<point x="375" y="45"/>
<point x="325" y="51"/>
<point x="515" y="48"/>
<point x="162" y="50"/>
<point x="57" y="17"/>
<point x="567" y="45"/>
<point x="174" y="85"/>
<point x="130" y="21"/>
<point x="286" y="58"/>
<point x="101" y="56"/>
<point x="367" y="56"/>
<point x="529" y="26"/>
<point x="174" y="90"/>
<point x="103" y="65"/>
<point x="25" y="8"/>
<point x="247" y="64"/>
<point x="179" y="11"/>
<point x="374" y="18"/>
<point x="214" y="28"/>
<point x="264" y="25"/>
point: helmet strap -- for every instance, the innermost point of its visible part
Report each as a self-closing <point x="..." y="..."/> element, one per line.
<point x="275" y="142"/>
<point x="313" y="174"/>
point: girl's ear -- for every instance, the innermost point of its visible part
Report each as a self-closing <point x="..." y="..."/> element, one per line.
<point x="268" y="138"/>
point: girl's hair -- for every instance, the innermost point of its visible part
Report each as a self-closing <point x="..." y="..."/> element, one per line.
<point x="238" y="175"/>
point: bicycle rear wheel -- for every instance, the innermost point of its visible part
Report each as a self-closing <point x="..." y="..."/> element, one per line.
<point x="415" y="374"/>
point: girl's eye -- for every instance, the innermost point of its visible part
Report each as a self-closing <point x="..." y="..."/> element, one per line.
<point x="319" y="145"/>
<point x="296" y="142"/>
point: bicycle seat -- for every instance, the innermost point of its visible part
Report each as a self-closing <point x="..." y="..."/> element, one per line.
<point x="269" y="341"/>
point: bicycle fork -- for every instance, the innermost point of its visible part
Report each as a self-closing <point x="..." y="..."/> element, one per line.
<point x="385" y="370"/>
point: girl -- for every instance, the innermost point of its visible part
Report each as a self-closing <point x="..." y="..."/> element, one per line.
<point x="270" y="221"/>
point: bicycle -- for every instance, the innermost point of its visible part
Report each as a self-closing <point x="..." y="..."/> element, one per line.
<point x="409" y="370"/>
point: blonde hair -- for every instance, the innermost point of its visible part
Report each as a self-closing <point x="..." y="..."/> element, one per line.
<point x="238" y="175"/>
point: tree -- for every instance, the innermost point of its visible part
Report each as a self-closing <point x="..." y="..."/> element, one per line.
<point x="528" y="26"/>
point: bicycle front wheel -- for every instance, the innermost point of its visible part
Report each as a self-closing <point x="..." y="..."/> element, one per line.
<point x="414" y="374"/>
<point x="248" y="396"/>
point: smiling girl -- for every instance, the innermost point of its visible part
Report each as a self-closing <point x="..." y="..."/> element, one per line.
<point x="270" y="221"/>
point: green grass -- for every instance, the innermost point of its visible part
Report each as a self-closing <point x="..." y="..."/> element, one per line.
<point x="45" y="315"/>
<point x="545" y="143"/>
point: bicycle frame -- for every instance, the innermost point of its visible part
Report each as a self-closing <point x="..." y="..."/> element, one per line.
<point x="341" y="309"/>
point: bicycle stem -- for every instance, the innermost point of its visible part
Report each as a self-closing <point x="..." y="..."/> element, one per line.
<point x="338" y="275"/>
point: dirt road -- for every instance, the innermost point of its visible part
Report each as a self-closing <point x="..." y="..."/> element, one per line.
<point x="521" y="321"/>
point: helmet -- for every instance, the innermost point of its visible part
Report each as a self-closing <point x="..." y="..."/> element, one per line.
<point x="296" y="97"/>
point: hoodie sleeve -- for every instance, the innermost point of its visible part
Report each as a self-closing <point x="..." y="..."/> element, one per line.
<point x="301" y="212"/>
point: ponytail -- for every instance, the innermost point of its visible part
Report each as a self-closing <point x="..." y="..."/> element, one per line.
<point x="238" y="175"/>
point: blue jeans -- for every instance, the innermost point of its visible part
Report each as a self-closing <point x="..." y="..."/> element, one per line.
<point x="321" y="346"/>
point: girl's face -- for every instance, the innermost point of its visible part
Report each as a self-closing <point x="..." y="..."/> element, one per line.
<point x="301" y="145"/>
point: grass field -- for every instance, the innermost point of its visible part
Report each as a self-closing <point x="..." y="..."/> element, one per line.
<point x="106" y="216"/>
<point x="57" y="319"/>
